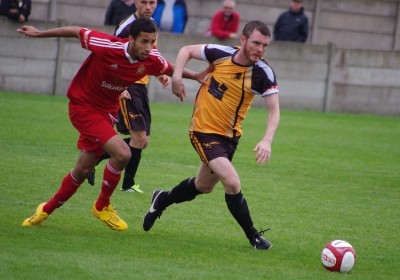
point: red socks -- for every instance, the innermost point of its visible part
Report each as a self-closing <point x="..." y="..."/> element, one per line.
<point x="68" y="187"/>
<point x="111" y="179"/>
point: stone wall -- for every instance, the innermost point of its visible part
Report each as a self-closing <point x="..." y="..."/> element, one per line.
<point x="358" y="24"/>
<point x="310" y="76"/>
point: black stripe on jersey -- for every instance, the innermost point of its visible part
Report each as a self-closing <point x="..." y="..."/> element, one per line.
<point x="240" y="103"/>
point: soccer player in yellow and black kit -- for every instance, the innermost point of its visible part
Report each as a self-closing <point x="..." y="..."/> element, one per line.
<point x="240" y="73"/>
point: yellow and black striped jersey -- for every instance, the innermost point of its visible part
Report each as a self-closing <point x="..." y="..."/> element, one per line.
<point x="223" y="101"/>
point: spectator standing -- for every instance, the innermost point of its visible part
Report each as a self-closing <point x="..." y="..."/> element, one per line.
<point x="171" y="15"/>
<point x="292" y="25"/>
<point x="17" y="10"/>
<point x="225" y="23"/>
<point x="119" y="10"/>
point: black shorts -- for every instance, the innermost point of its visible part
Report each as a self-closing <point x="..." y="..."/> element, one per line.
<point x="211" y="146"/>
<point x="135" y="114"/>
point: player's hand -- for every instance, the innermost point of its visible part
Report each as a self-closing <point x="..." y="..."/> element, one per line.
<point x="29" y="31"/>
<point x="125" y="95"/>
<point x="263" y="150"/>
<point x="203" y="75"/>
<point x="178" y="88"/>
<point x="164" y="80"/>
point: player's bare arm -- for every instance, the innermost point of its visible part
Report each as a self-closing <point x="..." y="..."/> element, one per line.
<point x="185" y="54"/>
<point x="33" y="32"/>
<point x="164" y="80"/>
<point x="263" y="148"/>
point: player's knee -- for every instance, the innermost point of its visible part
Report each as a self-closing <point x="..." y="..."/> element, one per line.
<point x="81" y="173"/>
<point x="142" y="143"/>
<point x="204" y="187"/>
<point x="139" y="140"/>
<point x="125" y="157"/>
<point x="122" y="157"/>
<point x="231" y="185"/>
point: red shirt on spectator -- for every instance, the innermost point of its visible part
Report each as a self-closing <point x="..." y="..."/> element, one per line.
<point x="221" y="27"/>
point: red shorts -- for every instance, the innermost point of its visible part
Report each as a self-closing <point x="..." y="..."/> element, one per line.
<point x="95" y="127"/>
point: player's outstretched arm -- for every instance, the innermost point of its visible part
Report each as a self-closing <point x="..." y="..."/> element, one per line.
<point x="263" y="148"/>
<point x="33" y="32"/>
<point x="184" y="55"/>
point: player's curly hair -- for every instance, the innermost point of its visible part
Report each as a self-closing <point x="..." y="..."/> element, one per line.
<point x="142" y="25"/>
<point x="256" y="25"/>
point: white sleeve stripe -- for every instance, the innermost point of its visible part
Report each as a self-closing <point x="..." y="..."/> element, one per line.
<point x="105" y="42"/>
<point x="157" y="54"/>
<point x="270" y="91"/>
<point x="202" y="52"/>
<point x="154" y="52"/>
<point x="107" y="46"/>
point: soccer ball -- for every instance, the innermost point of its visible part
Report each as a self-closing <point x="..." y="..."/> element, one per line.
<point x="338" y="256"/>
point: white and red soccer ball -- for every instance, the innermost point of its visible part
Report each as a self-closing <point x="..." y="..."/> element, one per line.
<point x="338" y="256"/>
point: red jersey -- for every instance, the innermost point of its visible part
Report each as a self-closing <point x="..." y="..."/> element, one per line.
<point x="109" y="69"/>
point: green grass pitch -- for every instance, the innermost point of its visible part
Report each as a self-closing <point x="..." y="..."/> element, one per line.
<point x="332" y="176"/>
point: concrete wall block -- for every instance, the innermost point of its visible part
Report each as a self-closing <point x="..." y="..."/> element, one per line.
<point x="366" y="100"/>
<point x="69" y="69"/>
<point x="300" y="70"/>
<point x="259" y="12"/>
<point x="301" y="89"/>
<point x="73" y="52"/>
<point x="27" y="84"/>
<point x="291" y="52"/>
<point x="367" y="76"/>
<point x="62" y="87"/>
<point x="8" y="28"/>
<point x="197" y="26"/>
<point x="363" y="23"/>
<point x="367" y="59"/>
<point x="90" y="3"/>
<point x="27" y="67"/>
<point x="298" y="104"/>
<point x="28" y="47"/>
<point x="40" y="11"/>
<point x="81" y="15"/>
<point x="363" y="7"/>
<point x="299" y="94"/>
<point x="355" y="40"/>
<point x="205" y="8"/>
<point x="278" y="3"/>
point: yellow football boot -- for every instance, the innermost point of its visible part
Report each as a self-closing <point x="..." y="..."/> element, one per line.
<point x="37" y="218"/>
<point x="109" y="216"/>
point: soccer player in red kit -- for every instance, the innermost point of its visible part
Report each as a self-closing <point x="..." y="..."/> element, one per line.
<point x="94" y="94"/>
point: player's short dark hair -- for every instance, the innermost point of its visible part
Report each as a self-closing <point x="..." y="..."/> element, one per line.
<point x="256" y="25"/>
<point x="142" y="25"/>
